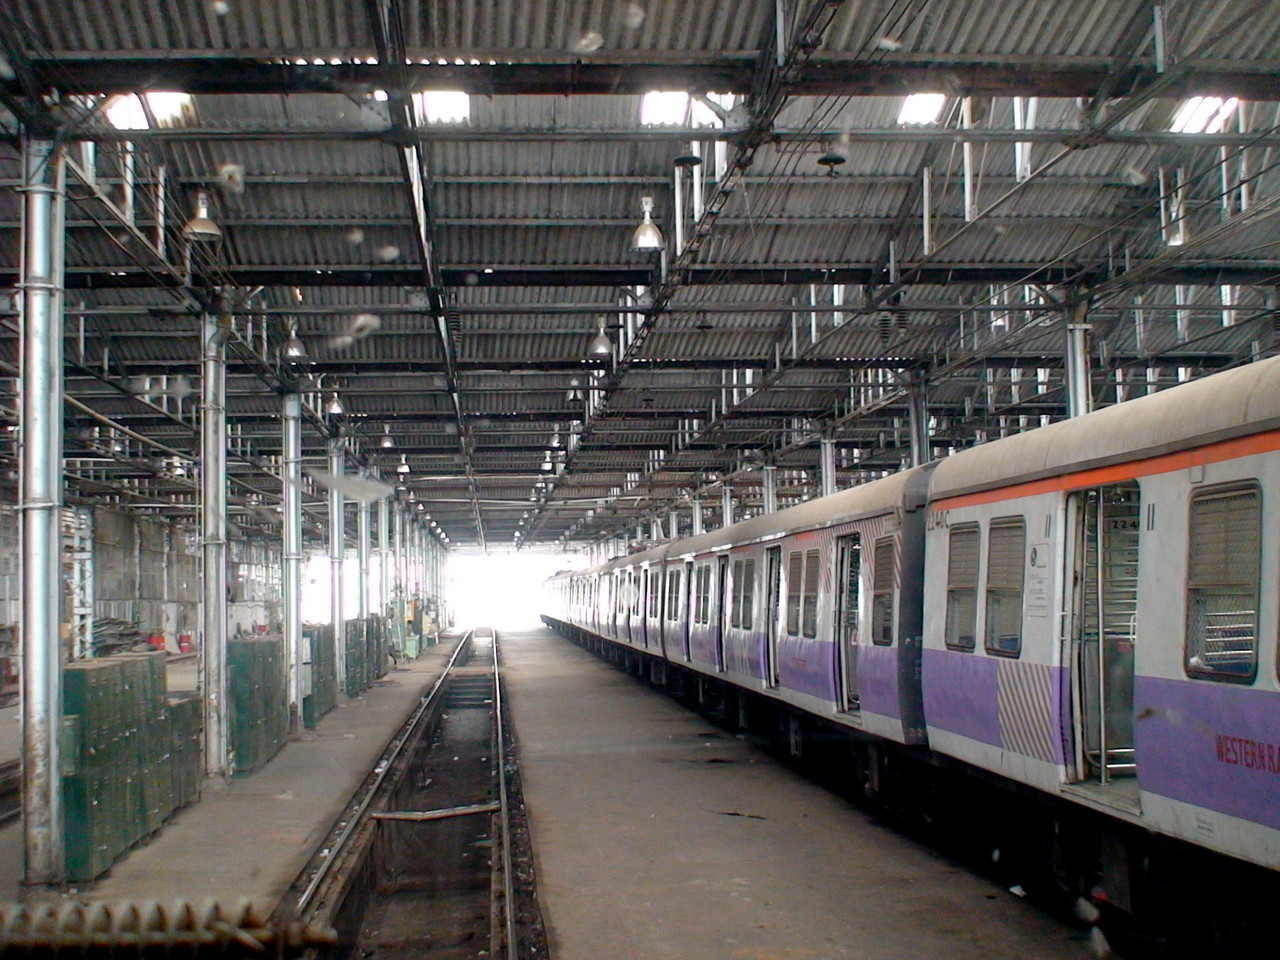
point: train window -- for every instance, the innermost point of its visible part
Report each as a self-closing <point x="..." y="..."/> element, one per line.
<point x="962" y="586"/>
<point x="1006" y="568"/>
<point x="704" y="594"/>
<point x="748" y="593"/>
<point x="654" y="612"/>
<point x="1223" y="572"/>
<point x="811" y="593"/>
<point x="673" y="594"/>
<point x="735" y="603"/>
<point x="882" y="583"/>
<point x="795" y="571"/>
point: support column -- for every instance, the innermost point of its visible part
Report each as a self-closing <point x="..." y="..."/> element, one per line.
<point x="918" y="415"/>
<point x="337" y="546"/>
<point x="673" y="524"/>
<point x="827" y="466"/>
<point x="293" y="552"/>
<point x="384" y="557"/>
<point x="726" y="505"/>
<point x="697" y="517"/>
<point x="398" y="601"/>
<point x="770" y="478"/>
<point x="362" y="555"/>
<point x="43" y="239"/>
<point x="655" y="529"/>
<point x="1079" y="389"/>
<point x="213" y="503"/>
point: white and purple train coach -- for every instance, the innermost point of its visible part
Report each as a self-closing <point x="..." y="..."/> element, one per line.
<point x="1088" y="611"/>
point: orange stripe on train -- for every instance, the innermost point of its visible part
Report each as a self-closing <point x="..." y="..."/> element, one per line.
<point x="1268" y="442"/>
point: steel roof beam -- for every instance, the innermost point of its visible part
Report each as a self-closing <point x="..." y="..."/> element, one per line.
<point x="386" y="24"/>
<point x="991" y="75"/>
<point x="458" y="133"/>
<point x="1194" y="272"/>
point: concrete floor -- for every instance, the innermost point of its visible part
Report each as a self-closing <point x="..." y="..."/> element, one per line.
<point x="250" y="837"/>
<point x="658" y="836"/>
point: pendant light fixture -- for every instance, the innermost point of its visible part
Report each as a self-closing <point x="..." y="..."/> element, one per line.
<point x="387" y="442"/>
<point x="600" y="345"/>
<point x="200" y="228"/>
<point x="294" y="348"/>
<point x="647" y="236"/>
<point x="334" y="407"/>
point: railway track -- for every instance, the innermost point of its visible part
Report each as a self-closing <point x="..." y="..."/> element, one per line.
<point x="423" y="861"/>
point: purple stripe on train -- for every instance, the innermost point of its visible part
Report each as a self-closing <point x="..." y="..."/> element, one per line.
<point x="805" y="666"/>
<point x="1210" y="744"/>
<point x="960" y="695"/>
<point x="878" y="680"/>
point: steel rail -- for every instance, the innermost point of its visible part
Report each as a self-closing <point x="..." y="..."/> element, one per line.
<point x="508" y="885"/>
<point x="385" y="762"/>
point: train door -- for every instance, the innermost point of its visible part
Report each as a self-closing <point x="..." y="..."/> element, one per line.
<point x="773" y="571"/>
<point x="722" y="605"/>
<point x="848" y="598"/>
<point x="688" y="607"/>
<point x="1107" y="524"/>
<point x="646" y="610"/>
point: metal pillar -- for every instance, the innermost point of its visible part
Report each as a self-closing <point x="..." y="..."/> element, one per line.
<point x="673" y="524"/>
<point x="213" y="503"/>
<point x="1079" y="390"/>
<point x="770" y="491"/>
<point x="827" y="466"/>
<point x="362" y="547"/>
<point x="397" y="537"/>
<point x="697" y="518"/>
<point x="655" y="529"/>
<point x="337" y="546"/>
<point x="384" y="557"/>
<point x="43" y="241"/>
<point x="918" y="411"/>
<point x="726" y="505"/>
<point x="292" y="416"/>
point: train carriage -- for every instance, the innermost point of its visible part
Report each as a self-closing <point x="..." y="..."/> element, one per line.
<point x="1164" y="710"/>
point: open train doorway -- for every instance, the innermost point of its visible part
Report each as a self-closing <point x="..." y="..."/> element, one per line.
<point x="848" y="603"/>
<point x="773" y="570"/>
<point x="1107" y="522"/>
<point x="722" y="606"/>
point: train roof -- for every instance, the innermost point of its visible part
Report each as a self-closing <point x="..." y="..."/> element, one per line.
<point x="1234" y="403"/>
<point x="903" y="489"/>
<point x="906" y="489"/>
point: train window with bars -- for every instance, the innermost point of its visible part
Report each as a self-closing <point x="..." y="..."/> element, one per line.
<point x="654" y="611"/>
<point x="795" y="590"/>
<point x="704" y="593"/>
<point x="1223" y="576"/>
<point x="1006" y="570"/>
<point x="748" y="593"/>
<point x="673" y="594"/>
<point x="962" y="586"/>
<point x="883" y="580"/>
<point x="811" y="562"/>
<point x="735" y="603"/>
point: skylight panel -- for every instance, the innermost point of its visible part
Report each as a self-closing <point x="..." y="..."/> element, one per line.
<point x="922" y="108"/>
<point x="1204" y="114"/>
<point x="125" y="112"/>
<point x="665" y="108"/>
<point x="442" y="106"/>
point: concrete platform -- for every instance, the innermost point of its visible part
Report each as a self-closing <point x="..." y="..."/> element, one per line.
<point x="251" y="836"/>
<point x="658" y="836"/>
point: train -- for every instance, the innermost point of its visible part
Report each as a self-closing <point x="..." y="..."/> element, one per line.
<point x="1065" y="638"/>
